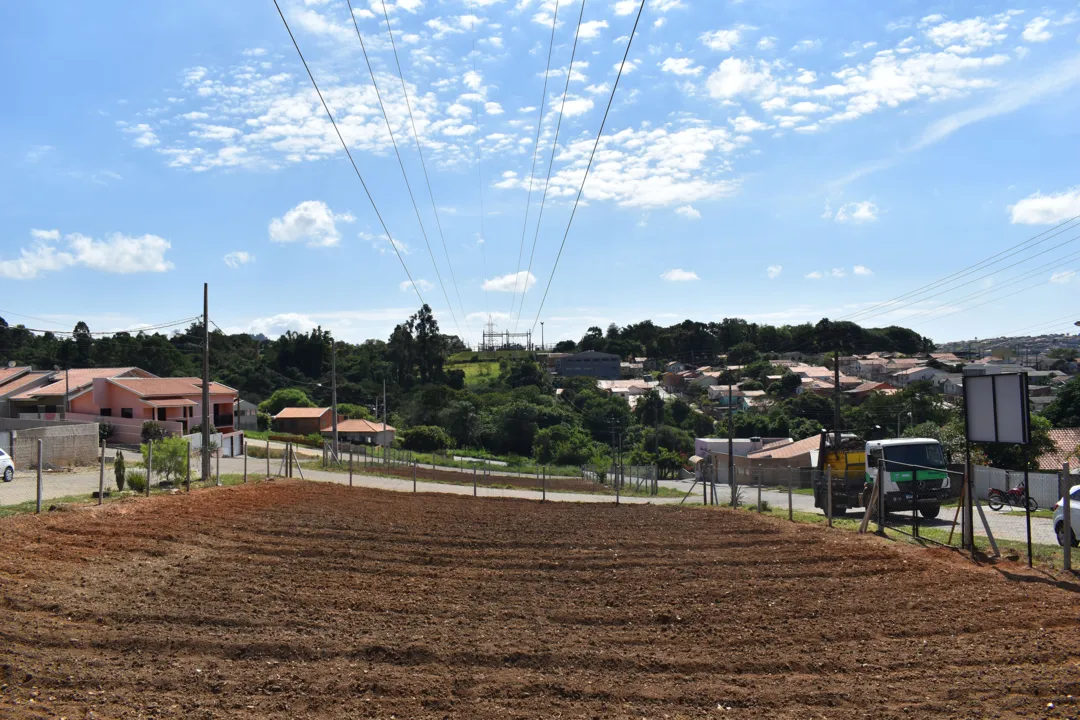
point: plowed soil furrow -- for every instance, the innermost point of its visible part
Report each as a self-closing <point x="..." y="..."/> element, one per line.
<point x="309" y="600"/>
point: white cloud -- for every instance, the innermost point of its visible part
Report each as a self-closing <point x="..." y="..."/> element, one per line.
<point x="806" y="108"/>
<point x="964" y="37"/>
<point x="857" y="212"/>
<point x="722" y="40"/>
<point x="689" y="212"/>
<point x="1062" y="277"/>
<point x="773" y="271"/>
<point x="862" y="270"/>
<point x="737" y="77"/>
<point x="1036" y="30"/>
<point x="838" y="272"/>
<point x="117" y="253"/>
<point x="237" y="258"/>
<point x="472" y="80"/>
<point x="1039" y="209"/>
<point x="514" y="282"/>
<point x="255" y="52"/>
<point x="422" y="284"/>
<point x="493" y="108"/>
<point x="37" y="152"/>
<point x="806" y="45"/>
<point x="766" y="43"/>
<point x="590" y="29"/>
<point x="678" y="275"/>
<point x="745" y="124"/>
<point x="680" y="66"/>
<point x="312" y="222"/>
<point x="813" y="275"/>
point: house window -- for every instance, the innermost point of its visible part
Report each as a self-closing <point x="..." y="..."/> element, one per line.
<point x="50" y="408"/>
<point x="105" y="412"/>
<point x="161" y="414"/>
<point x="126" y="413"/>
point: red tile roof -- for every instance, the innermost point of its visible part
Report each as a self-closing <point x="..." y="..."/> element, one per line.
<point x="13" y="387"/>
<point x="1066" y="442"/>
<point x="361" y="426"/>
<point x="296" y="413"/>
<point x="171" y="402"/>
<point x="788" y="450"/>
<point x="80" y="379"/>
<point x="170" y="387"/>
<point x="8" y="374"/>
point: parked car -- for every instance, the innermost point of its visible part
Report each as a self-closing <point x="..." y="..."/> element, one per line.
<point x="7" y="466"/>
<point x="1059" y="516"/>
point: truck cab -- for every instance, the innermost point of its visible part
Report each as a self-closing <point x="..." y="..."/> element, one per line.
<point x="914" y="474"/>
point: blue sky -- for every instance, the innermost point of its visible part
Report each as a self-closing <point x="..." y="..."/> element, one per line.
<point x="769" y="159"/>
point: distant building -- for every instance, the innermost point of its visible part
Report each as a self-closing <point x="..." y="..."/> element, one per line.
<point x="247" y="415"/>
<point x="602" y="366"/>
<point x="304" y="421"/>
<point x="362" y="432"/>
<point x="632" y="369"/>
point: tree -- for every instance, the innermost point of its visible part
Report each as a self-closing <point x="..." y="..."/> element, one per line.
<point x="151" y="431"/>
<point x="1021" y="457"/>
<point x="170" y="458"/>
<point x="742" y="354"/>
<point x="425" y="438"/>
<point x="283" y="398"/>
<point x="565" y="346"/>
<point x="353" y="411"/>
<point x="1064" y="411"/>
<point x="118" y="471"/>
<point x="564" y="445"/>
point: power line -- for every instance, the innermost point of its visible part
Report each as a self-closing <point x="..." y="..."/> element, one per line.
<point x="401" y="164"/>
<point x="551" y="163"/>
<point x="1053" y="264"/>
<point x="963" y="272"/>
<point x="479" y="171"/>
<point x="31" y="317"/>
<point x="345" y="146"/>
<point x="104" y="333"/>
<point x="981" y="277"/>
<point x="592" y="156"/>
<point x="532" y="171"/>
<point x="423" y="164"/>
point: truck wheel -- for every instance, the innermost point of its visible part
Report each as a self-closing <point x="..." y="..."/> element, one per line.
<point x="9" y="474"/>
<point x="839" y="511"/>
<point x="930" y="512"/>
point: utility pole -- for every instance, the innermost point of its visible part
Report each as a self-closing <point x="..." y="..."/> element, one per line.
<point x="67" y="394"/>
<point x="333" y="394"/>
<point x="542" y="348"/>
<point x="384" y="405"/>
<point x="731" y="446"/>
<point x="836" y="393"/>
<point x="205" y="386"/>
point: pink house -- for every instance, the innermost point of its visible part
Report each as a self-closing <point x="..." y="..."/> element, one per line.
<point x="79" y="386"/>
<point x="164" y="400"/>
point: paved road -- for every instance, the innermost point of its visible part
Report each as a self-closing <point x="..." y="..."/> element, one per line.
<point x="1003" y="525"/>
<point x="23" y="488"/>
<point x="56" y="485"/>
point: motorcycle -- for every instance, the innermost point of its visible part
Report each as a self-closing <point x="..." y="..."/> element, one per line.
<point x="1013" y="498"/>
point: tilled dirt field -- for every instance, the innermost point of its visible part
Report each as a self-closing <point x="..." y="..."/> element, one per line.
<point x="291" y="599"/>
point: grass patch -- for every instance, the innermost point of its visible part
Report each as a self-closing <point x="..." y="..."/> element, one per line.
<point x="477" y="373"/>
<point x="1045" y="514"/>
<point x="470" y="356"/>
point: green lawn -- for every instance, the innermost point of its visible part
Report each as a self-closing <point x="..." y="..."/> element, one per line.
<point x="476" y="373"/>
<point x="467" y="356"/>
<point x="1046" y="514"/>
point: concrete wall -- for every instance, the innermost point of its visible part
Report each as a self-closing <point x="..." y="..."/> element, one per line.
<point x="64" y="443"/>
<point x="126" y="431"/>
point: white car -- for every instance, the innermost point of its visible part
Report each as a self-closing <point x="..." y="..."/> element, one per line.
<point x="7" y="466"/>
<point x="1074" y="516"/>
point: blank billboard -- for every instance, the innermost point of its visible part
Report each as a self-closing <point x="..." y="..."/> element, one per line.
<point x="997" y="408"/>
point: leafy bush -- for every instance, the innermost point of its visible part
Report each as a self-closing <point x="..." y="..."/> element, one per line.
<point x="118" y="471"/>
<point x="170" y="458"/>
<point x="315" y="439"/>
<point x="151" y="431"/>
<point x="283" y="398"/>
<point x="136" y="480"/>
<point x="197" y="430"/>
<point x="105" y="431"/>
<point x="425" y="438"/>
<point x="263" y="420"/>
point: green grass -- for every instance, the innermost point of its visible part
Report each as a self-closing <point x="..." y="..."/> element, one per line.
<point x="477" y="373"/>
<point x="1046" y="514"/>
<point x="466" y="356"/>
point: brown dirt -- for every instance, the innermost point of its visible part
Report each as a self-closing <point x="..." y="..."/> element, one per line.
<point x="291" y="599"/>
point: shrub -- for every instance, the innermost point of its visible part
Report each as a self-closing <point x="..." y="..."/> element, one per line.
<point x="263" y="420"/>
<point x="170" y="458"/>
<point x="315" y="439"/>
<point x="136" y="480"/>
<point x="151" y="431"/>
<point x="105" y="431"/>
<point x="425" y="438"/>
<point x="118" y="471"/>
<point x="197" y="430"/>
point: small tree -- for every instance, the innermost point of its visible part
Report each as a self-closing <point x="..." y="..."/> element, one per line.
<point x="283" y="398"/>
<point x="151" y="431"/>
<point x="170" y="458"/>
<point x="118" y="471"/>
<point x="105" y="431"/>
<point x="426" y="438"/>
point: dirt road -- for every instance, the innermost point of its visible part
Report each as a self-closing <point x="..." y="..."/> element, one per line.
<point x="314" y="600"/>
